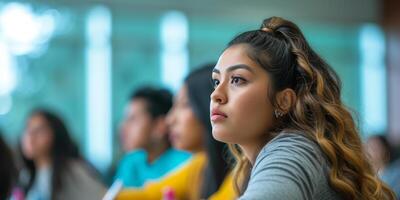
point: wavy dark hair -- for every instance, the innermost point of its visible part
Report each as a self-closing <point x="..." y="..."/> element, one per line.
<point x="63" y="150"/>
<point x="199" y="90"/>
<point x="280" y="48"/>
<point x="7" y="169"/>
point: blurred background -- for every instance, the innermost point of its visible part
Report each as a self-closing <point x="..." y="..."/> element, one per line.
<point x="83" y="59"/>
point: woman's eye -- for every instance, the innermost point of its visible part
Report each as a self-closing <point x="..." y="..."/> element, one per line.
<point x="215" y="82"/>
<point x="237" y="80"/>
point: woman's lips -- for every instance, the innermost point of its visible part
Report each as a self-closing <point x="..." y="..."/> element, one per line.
<point x="217" y="115"/>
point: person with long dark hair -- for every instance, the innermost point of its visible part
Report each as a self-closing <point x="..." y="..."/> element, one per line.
<point x="7" y="170"/>
<point x="206" y="175"/>
<point x="56" y="168"/>
<point x="278" y="105"/>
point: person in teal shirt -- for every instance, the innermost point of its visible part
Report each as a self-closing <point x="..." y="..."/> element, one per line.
<point x="134" y="169"/>
<point x="144" y="138"/>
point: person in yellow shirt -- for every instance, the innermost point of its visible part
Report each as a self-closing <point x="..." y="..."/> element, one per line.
<point x="207" y="174"/>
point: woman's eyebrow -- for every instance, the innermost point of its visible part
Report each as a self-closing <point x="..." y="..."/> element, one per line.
<point x="235" y="67"/>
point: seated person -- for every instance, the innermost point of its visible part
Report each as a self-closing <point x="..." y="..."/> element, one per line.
<point x="206" y="175"/>
<point x="52" y="159"/>
<point x="144" y="138"/>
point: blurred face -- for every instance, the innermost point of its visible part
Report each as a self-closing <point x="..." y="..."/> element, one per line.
<point x="187" y="132"/>
<point x="137" y="126"/>
<point x="376" y="152"/>
<point x="241" y="112"/>
<point x="37" y="139"/>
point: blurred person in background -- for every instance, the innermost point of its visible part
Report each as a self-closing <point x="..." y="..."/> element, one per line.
<point x="379" y="152"/>
<point x="7" y="170"/>
<point x="56" y="168"/>
<point x="383" y="159"/>
<point x="391" y="176"/>
<point x="206" y="175"/>
<point x="144" y="138"/>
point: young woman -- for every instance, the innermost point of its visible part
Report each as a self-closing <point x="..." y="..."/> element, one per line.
<point x="206" y="175"/>
<point x="278" y="104"/>
<point x="55" y="166"/>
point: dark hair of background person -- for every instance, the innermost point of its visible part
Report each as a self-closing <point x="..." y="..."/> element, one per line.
<point x="63" y="150"/>
<point x="281" y="49"/>
<point x="158" y="101"/>
<point x="199" y="87"/>
<point x="7" y="170"/>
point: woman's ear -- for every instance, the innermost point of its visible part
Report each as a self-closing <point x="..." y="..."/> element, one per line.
<point x="286" y="99"/>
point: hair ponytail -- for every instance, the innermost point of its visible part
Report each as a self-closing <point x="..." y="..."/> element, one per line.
<point x="281" y="49"/>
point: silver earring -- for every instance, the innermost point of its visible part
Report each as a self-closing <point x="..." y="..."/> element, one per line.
<point x="278" y="114"/>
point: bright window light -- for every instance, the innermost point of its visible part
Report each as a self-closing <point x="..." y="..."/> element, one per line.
<point x="174" y="53"/>
<point x="8" y="79"/>
<point x="5" y="104"/>
<point x="373" y="80"/>
<point x="23" y="30"/>
<point x="98" y="76"/>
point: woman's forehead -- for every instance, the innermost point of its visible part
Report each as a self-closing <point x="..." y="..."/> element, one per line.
<point x="235" y="55"/>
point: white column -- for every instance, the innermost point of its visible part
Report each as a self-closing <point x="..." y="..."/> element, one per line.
<point x="373" y="80"/>
<point x="174" y="53"/>
<point x="98" y="87"/>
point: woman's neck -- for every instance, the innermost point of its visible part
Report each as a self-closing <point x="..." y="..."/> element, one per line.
<point x="42" y="162"/>
<point x="194" y="150"/>
<point x="197" y="150"/>
<point x="251" y="152"/>
<point x="156" y="151"/>
<point x="252" y="149"/>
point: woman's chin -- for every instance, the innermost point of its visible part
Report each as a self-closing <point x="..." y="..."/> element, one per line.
<point x="220" y="136"/>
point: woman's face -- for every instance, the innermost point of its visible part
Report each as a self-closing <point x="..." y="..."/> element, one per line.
<point x="187" y="132"/>
<point x="136" y="129"/>
<point x="377" y="153"/>
<point x="37" y="138"/>
<point x="241" y="111"/>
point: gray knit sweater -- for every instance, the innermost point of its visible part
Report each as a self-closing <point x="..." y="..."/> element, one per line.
<point x="290" y="166"/>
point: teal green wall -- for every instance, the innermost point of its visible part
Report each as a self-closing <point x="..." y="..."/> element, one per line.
<point x="57" y="79"/>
